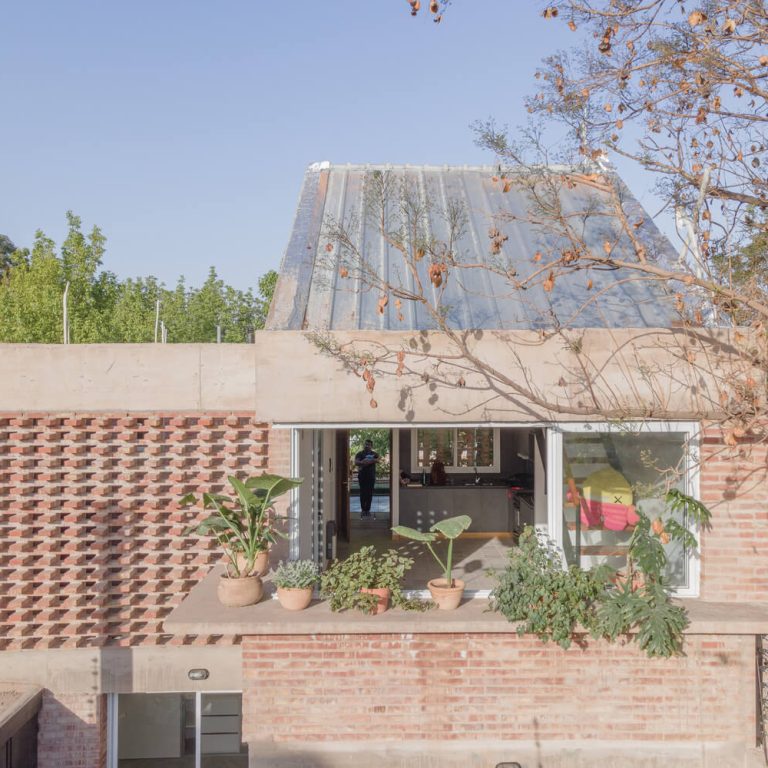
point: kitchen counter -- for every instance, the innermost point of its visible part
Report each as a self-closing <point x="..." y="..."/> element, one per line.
<point x="489" y="506"/>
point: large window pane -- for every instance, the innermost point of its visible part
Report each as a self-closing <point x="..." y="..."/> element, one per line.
<point x="220" y="731"/>
<point x="611" y="473"/>
<point x="161" y="730"/>
<point x="156" y="730"/>
<point x="433" y="445"/>
<point x="474" y="447"/>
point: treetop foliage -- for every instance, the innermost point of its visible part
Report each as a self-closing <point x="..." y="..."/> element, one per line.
<point x="105" y="309"/>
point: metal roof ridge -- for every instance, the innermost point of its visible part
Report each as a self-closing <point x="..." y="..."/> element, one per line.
<point x="492" y="168"/>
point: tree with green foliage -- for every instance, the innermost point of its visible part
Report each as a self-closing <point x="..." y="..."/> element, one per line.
<point x="380" y="440"/>
<point x="102" y="308"/>
<point x="7" y="249"/>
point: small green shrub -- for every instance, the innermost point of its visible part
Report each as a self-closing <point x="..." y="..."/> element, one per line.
<point x="547" y="600"/>
<point x="344" y="579"/>
<point x="296" y="574"/>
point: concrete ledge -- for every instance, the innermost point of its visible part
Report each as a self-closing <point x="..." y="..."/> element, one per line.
<point x="202" y="614"/>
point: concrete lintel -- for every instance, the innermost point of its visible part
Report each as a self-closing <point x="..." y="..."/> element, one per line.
<point x="144" y="669"/>
<point x="285" y="377"/>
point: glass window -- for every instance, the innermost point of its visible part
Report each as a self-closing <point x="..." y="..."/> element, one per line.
<point x="606" y="477"/>
<point x="180" y="730"/>
<point x="474" y="448"/>
<point x="433" y="445"/>
<point x="460" y="450"/>
<point x="220" y="734"/>
<point x="156" y="728"/>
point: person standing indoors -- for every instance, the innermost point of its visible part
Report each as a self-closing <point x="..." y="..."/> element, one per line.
<point x="365" y="461"/>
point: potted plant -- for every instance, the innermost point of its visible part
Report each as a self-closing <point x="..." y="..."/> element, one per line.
<point x="295" y="582"/>
<point x="446" y="591"/>
<point x="366" y="581"/>
<point x="245" y="526"/>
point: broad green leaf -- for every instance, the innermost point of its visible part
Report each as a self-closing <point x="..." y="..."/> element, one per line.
<point x="412" y="533"/>
<point x="452" y="527"/>
<point x="272" y="485"/>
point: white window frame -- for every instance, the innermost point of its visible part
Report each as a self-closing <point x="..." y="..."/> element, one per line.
<point x="692" y="431"/>
<point x="112" y="723"/>
<point x="495" y="468"/>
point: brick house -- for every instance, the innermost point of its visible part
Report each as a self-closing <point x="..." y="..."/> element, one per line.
<point x="113" y="644"/>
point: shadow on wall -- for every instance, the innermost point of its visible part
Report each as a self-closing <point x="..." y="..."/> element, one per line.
<point x="270" y="758"/>
<point x="70" y="730"/>
<point x="430" y="756"/>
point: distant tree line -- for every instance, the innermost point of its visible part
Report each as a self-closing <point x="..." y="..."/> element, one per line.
<point x="104" y="308"/>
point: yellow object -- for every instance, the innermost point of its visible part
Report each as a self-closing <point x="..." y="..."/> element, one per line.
<point x="608" y="487"/>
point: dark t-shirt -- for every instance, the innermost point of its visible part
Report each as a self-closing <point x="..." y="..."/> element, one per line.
<point x="366" y="473"/>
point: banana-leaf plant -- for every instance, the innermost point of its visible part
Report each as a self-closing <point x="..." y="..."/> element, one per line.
<point x="450" y="528"/>
<point x="244" y="524"/>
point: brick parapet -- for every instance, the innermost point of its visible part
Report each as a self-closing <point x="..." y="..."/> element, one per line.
<point x="421" y="688"/>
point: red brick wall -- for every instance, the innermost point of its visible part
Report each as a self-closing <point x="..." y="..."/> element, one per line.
<point x="441" y="687"/>
<point x="734" y="486"/>
<point x="93" y="546"/>
<point x="72" y="731"/>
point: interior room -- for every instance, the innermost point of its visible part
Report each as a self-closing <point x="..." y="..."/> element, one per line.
<point x="492" y="474"/>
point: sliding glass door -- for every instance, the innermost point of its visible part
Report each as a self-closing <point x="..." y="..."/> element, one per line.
<point x="177" y="730"/>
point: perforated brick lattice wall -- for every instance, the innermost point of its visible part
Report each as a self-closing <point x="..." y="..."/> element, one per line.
<point x="92" y="550"/>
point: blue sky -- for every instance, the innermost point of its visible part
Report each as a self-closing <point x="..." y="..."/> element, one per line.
<point x="183" y="128"/>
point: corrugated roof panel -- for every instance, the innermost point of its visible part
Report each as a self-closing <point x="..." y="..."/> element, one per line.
<point x="313" y="295"/>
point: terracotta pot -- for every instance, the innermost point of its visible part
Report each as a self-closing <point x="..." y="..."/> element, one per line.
<point x="383" y="594"/>
<point x="294" y="598"/>
<point x="447" y="597"/>
<point x="235" y="593"/>
<point x="260" y="564"/>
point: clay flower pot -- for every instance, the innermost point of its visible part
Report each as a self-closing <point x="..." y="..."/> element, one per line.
<point x="382" y="594"/>
<point x="236" y="593"/>
<point x="446" y="596"/>
<point x="294" y="598"/>
<point x="260" y="564"/>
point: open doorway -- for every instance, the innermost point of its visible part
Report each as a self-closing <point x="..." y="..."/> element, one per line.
<point x="496" y="475"/>
<point x="364" y="486"/>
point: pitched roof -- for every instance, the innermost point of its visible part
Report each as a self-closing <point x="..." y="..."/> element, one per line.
<point x="312" y="294"/>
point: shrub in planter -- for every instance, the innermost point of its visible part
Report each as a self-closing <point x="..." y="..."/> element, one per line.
<point x="344" y="581"/>
<point x="295" y="582"/>
<point x="548" y="600"/>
